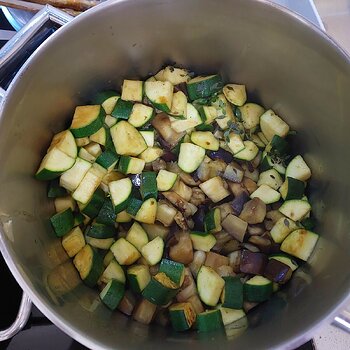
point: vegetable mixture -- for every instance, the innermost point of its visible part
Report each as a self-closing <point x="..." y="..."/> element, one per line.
<point x="179" y="200"/>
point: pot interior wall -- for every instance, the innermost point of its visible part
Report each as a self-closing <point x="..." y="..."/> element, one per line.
<point x="286" y="66"/>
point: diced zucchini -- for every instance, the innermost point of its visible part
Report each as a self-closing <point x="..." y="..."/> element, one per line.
<point x="82" y="141"/>
<point x="87" y="186"/>
<point x="148" y="186"/>
<point x="292" y="189"/>
<point x="278" y="145"/>
<point x="108" y="258"/>
<point x="190" y="157"/>
<point x="150" y="154"/>
<point x="285" y="259"/>
<point x="271" y="124"/>
<point x="100" y="243"/>
<point x="107" y="99"/>
<point x="132" y="90"/>
<point x="205" y="139"/>
<point x="209" y="320"/>
<point x="160" y="290"/>
<point x="173" y="75"/>
<point x="210" y="285"/>
<point x="112" y="294"/>
<point x="300" y="243"/>
<point x="266" y="194"/>
<point x="123" y="216"/>
<point x="202" y="87"/>
<point x="153" y="251"/>
<point x="89" y="264"/>
<point x="137" y="236"/>
<point x="71" y="178"/>
<point x="235" y="93"/>
<point x="230" y="315"/>
<point x="202" y="241"/>
<point x="148" y="136"/>
<point x="212" y="221"/>
<point x="120" y="191"/>
<point x="214" y="188"/>
<point x="87" y="120"/>
<point x="165" y="213"/>
<point x="110" y="121"/>
<point x="65" y="142"/>
<point x="208" y="114"/>
<point x="250" y="114"/>
<point x="257" y="289"/>
<point x="282" y="228"/>
<point x="99" y="136"/>
<point x="138" y="277"/>
<point x="130" y="165"/>
<point x="249" y="152"/>
<point x="256" y="139"/>
<point x="54" y="190"/>
<point x="62" y="222"/>
<point x="236" y="143"/>
<point x="113" y="271"/>
<point x="174" y="270"/>
<point x="270" y="178"/>
<point x="160" y="94"/>
<point x="224" y="111"/>
<point x="144" y="312"/>
<point x="134" y="206"/>
<point x="54" y="164"/>
<point x="192" y="119"/>
<point x="97" y="230"/>
<point x="84" y="154"/>
<point x="148" y="211"/>
<point x="140" y="115"/>
<point x="108" y="159"/>
<point x="92" y="208"/>
<point x="182" y="316"/>
<point x="179" y="105"/>
<point x="165" y="180"/>
<point x="232" y="294"/>
<point x="124" y="252"/>
<point x="73" y="241"/>
<point x="122" y="109"/>
<point x="127" y="139"/>
<point x="63" y="203"/>
<point x="298" y="169"/>
<point x="268" y="163"/>
<point x="295" y="209"/>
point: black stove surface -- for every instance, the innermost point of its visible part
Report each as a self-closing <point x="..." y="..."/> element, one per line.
<point x="39" y="333"/>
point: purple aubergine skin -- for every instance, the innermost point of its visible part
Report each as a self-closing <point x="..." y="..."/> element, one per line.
<point x="226" y="156"/>
<point x="253" y="263"/>
<point x="239" y="201"/>
<point x="277" y="271"/>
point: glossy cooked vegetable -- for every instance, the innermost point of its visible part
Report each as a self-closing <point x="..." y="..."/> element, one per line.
<point x="182" y="206"/>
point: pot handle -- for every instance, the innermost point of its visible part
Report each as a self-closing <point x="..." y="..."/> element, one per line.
<point x="19" y="48"/>
<point x="20" y="321"/>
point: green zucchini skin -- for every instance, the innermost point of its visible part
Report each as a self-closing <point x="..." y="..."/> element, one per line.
<point x="62" y="222"/>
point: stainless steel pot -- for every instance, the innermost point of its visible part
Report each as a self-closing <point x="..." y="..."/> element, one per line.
<point x="286" y="63"/>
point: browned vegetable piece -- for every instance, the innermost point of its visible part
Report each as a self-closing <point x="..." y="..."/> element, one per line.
<point x="235" y="226"/>
<point x="188" y="287"/>
<point x="251" y="247"/>
<point x="215" y="260"/>
<point x="198" y="197"/>
<point x="196" y="303"/>
<point x="158" y="164"/>
<point x="262" y="243"/>
<point x="236" y="188"/>
<point x="238" y="202"/>
<point x="250" y="172"/>
<point x="235" y="260"/>
<point x="144" y="312"/>
<point x="168" y="156"/>
<point x="127" y="304"/>
<point x="182" y="251"/>
<point x="222" y="238"/>
<point x="253" y="211"/>
<point x="278" y="272"/>
<point x="165" y="213"/>
<point x="154" y="269"/>
<point x="256" y="230"/>
<point x="162" y="124"/>
<point x="210" y="168"/>
<point x="249" y="184"/>
<point x="187" y="208"/>
<point x="182" y="190"/>
<point x="249" y="305"/>
<point x="156" y="230"/>
<point x="225" y="270"/>
<point x="225" y="209"/>
<point x="230" y="246"/>
<point x="186" y="178"/>
<point x="256" y="161"/>
<point x="274" y="215"/>
<point x="233" y="172"/>
<point x="198" y="260"/>
<point x="253" y="263"/>
<point x="181" y="221"/>
<point x="162" y="317"/>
